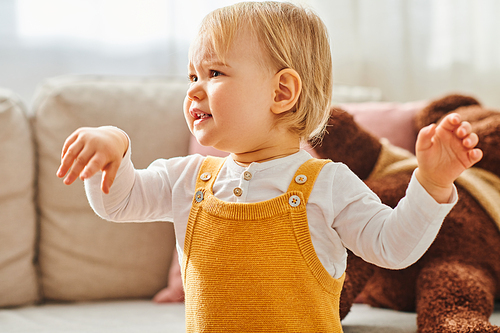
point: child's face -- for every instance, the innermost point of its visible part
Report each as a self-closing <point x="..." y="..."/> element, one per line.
<point x="228" y="105"/>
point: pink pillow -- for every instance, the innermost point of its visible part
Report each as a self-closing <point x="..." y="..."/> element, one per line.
<point x="390" y="120"/>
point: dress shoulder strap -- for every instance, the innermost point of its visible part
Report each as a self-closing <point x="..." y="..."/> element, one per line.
<point x="208" y="172"/>
<point x="306" y="175"/>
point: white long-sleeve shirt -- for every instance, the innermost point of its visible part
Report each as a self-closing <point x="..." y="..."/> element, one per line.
<point x="342" y="211"/>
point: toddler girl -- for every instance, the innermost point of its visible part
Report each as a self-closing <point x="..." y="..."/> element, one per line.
<point x="262" y="234"/>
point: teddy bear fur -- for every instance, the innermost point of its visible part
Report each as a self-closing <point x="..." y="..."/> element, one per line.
<point x="453" y="286"/>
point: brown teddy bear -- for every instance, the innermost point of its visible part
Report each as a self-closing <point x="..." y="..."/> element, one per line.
<point x="453" y="286"/>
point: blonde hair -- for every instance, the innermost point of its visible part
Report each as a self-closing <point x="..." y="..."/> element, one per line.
<point x="293" y="37"/>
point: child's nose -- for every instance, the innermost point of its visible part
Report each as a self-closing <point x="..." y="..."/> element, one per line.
<point x="196" y="92"/>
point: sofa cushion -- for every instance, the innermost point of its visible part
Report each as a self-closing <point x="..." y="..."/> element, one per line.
<point x="18" y="281"/>
<point x="83" y="257"/>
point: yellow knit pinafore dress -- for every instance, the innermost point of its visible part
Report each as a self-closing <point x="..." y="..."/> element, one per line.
<point x="251" y="267"/>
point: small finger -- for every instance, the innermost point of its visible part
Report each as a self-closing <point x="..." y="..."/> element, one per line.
<point x="450" y="122"/>
<point x="67" y="143"/>
<point x="464" y="129"/>
<point x="471" y="140"/>
<point x="475" y="155"/>
<point x="95" y="164"/>
<point x="69" y="155"/>
<point x="79" y="163"/>
<point x="70" y="140"/>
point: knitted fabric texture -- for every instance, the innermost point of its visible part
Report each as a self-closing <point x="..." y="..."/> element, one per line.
<point x="251" y="267"/>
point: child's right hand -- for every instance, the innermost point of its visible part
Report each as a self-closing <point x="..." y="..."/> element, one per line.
<point x="89" y="150"/>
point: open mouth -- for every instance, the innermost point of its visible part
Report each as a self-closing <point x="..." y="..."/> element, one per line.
<point x="199" y="116"/>
<point x="202" y="115"/>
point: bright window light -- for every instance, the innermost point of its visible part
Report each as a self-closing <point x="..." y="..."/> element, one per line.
<point x="116" y="22"/>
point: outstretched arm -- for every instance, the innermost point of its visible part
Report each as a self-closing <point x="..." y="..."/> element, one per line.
<point x="89" y="150"/>
<point x="443" y="152"/>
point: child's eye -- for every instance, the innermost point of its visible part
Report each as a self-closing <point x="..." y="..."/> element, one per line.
<point x="214" y="73"/>
<point x="192" y="78"/>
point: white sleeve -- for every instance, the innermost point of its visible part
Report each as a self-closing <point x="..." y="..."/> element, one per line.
<point x="143" y="195"/>
<point x="390" y="238"/>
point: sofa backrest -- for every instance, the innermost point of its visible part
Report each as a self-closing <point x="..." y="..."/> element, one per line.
<point x="18" y="281"/>
<point x="82" y="257"/>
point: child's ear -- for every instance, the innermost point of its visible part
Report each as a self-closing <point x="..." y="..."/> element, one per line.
<point x="288" y="86"/>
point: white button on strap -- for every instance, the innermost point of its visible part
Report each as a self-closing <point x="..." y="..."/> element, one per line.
<point x="238" y="192"/>
<point x="205" y="176"/>
<point x="294" y="200"/>
<point x="301" y="179"/>
<point x="247" y="175"/>
<point x="198" y="196"/>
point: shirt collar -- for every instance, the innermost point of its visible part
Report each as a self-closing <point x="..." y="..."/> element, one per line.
<point x="300" y="156"/>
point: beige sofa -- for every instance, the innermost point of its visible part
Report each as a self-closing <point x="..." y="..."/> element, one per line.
<point x="62" y="268"/>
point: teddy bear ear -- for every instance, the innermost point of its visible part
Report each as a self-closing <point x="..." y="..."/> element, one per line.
<point x="438" y="108"/>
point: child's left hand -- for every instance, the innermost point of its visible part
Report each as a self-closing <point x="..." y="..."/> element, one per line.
<point x="443" y="152"/>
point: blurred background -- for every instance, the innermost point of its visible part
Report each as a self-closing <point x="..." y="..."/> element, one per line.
<point x="409" y="49"/>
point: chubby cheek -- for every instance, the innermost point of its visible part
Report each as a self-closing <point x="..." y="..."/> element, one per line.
<point x="187" y="115"/>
